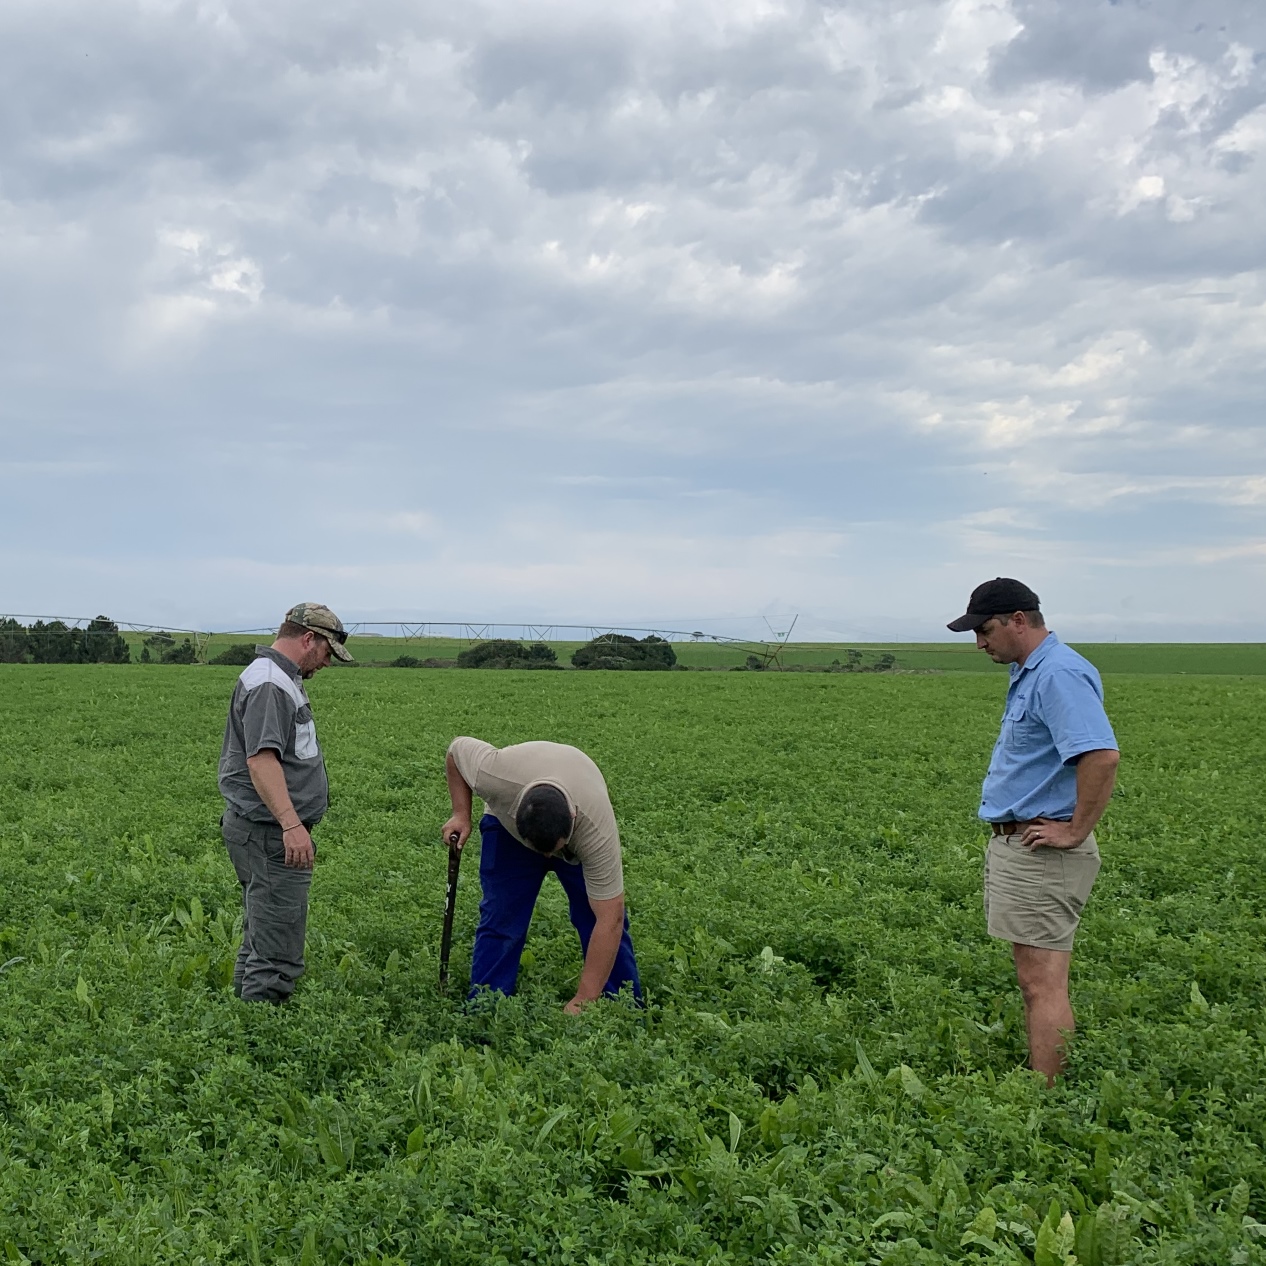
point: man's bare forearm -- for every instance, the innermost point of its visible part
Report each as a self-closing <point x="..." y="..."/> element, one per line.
<point x="1096" y="776"/>
<point x="604" y="944"/>
<point x="269" y="781"/>
<point x="456" y="831"/>
<point x="459" y="792"/>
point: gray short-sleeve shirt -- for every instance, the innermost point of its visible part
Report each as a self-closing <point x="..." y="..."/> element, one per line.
<point x="270" y="709"/>
<point x="500" y="776"/>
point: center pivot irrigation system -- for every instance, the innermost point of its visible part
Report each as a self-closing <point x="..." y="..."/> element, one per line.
<point x="769" y="651"/>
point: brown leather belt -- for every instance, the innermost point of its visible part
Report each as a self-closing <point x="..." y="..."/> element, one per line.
<point x="1010" y="828"/>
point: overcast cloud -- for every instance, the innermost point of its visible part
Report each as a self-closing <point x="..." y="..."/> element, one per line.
<point x="635" y="312"/>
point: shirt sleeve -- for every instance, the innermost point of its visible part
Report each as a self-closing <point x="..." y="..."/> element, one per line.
<point x="268" y="719"/>
<point x="600" y="860"/>
<point x="471" y="755"/>
<point x="1072" y="708"/>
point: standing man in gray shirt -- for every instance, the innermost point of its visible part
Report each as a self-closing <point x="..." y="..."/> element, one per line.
<point x="272" y="778"/>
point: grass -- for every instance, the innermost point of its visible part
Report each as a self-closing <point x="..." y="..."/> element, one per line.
<point x="830" y="1068"/>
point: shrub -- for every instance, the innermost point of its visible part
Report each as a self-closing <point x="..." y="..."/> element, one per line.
<point x="240" y="653"/>
<point x="405" y="661"/>
<point x="619" y="651"/>
<point x="182" y="654"/>
<point x="504" y="653"/>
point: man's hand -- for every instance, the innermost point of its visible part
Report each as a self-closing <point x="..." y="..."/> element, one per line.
<point x="1096" y="774"/>
<point x="456" y="826"/>
<point x="299" y="851"/>
<point x="604" y="943"/>
<point x="1045" y="833"/>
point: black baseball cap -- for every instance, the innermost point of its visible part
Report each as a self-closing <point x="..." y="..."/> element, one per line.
<point x="1001" y="596"/>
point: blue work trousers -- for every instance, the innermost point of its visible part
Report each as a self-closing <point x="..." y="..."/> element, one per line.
<point x="511" y="875"/>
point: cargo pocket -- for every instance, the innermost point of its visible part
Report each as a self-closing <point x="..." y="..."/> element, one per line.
<point x="234" y="829"/>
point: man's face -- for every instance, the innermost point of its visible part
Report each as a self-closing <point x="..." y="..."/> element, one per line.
<point x="316" y="655"/>
<point x="1000" y="637"/>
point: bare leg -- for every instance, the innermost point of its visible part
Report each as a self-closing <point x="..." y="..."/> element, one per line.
<point x="1048" y="1015"/>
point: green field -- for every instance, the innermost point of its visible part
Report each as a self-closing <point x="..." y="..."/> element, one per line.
<point x="830" y="1066"/>
<point x="961" y="656"/>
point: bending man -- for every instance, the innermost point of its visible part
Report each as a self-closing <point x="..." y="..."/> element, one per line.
<point x="547" y="808"/>
<point x="1052" y="771"/>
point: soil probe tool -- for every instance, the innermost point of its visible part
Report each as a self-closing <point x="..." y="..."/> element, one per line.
<point x="450" y="904"/>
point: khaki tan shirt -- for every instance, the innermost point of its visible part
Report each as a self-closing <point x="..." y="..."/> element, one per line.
<point x="500" y="776"/>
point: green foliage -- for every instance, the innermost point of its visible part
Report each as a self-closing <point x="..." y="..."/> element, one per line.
<point x="58" y="643"/>
<point x="103" y="643"/>
<point x="500" y="653"/>
<point x="829" y="1069"/>
<point x="239" y="655"/>
<point x="13" y="642"/>
<point x="184" y="653"/>
<point x="620" y="651"/>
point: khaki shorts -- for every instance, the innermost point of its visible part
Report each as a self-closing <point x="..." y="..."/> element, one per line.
<point x="1035" y="897"/>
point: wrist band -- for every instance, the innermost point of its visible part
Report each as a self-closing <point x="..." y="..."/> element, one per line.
<point x="294" y="826"/>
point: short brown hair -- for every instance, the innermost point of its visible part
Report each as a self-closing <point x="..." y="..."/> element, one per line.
<point x="1034" y="619"/>
<point x="290" y="629"/>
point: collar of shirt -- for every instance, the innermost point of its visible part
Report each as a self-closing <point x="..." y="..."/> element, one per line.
<point x="1036" y="656"/>
<point x="284" y="662"/>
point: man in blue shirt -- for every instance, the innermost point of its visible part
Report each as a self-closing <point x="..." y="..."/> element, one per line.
<point x="1049" y="780"/>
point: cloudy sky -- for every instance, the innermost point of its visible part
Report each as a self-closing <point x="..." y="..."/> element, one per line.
<point x="671" y="313"/>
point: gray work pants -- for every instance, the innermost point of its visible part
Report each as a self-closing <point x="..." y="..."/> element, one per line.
<point x="274" y="910"/>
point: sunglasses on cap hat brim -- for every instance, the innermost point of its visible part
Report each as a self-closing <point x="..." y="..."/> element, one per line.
<point x="332" y="635"/>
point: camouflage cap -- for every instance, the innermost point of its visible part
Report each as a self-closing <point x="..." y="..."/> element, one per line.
<point x="320" y="619"/>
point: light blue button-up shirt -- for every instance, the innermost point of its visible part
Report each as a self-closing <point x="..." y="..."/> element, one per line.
<point x="1054" y="714"/>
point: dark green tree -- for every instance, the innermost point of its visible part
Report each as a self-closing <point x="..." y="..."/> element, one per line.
<point x="54" y="643"/>
<point x="13" y="642"/>
<point x="504" y="653"/>
<point x="104" y="644"/>
<point x="620" y="651"/>
<point x="160" y="642"/>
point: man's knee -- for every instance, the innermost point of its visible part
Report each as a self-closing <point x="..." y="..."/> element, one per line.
<point x="1041" y="973"/>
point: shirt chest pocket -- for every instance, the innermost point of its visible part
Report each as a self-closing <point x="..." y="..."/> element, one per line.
<point x="1025" y="732"/>
<point x="305" y="740"/>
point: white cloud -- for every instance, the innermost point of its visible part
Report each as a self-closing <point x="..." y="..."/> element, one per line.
<point x="748" y="302"/>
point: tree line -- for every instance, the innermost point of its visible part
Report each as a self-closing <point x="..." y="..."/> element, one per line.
<point x="56" y="642"/>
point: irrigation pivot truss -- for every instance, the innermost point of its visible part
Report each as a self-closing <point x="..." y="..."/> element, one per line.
<point x="769" y="652"/>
